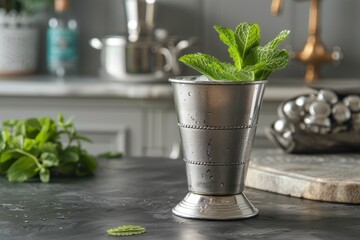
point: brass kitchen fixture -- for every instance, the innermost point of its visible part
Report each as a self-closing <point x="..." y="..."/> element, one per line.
<point x="314" y="53"/>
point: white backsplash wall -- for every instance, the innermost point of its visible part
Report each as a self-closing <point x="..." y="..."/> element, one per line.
<point x="186" y="18"/>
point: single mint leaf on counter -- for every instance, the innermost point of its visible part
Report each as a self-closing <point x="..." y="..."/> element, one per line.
<point x="126" y="230"/>
<point x="22" y="169"/>
<point x="212" y="68"/>
<point x="110" y="154"/>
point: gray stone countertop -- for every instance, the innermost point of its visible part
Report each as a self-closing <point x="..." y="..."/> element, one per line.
<point x="48" y="86"/>
<point x="142" y="191"/>
<point x="94" y="87"/>
<point x="90" y="86"/>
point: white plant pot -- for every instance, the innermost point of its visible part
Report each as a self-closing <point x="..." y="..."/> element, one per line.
<point x="18" y="45"/>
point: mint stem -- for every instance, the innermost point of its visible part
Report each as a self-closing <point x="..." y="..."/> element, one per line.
<point x="30" y="156"/>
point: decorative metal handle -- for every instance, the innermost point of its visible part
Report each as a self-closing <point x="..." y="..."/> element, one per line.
<point x="169" y="62"/>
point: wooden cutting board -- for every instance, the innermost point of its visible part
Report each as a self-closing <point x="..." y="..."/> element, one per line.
<point x="323" y="177"/>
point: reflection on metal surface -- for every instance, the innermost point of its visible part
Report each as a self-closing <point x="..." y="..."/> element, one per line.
<point x="215" y="207"/>
<point x="314" y="53"/>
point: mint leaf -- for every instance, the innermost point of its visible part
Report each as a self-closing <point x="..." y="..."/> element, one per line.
<point x="205" y="64"/>
<point x="10" y="123"/>
<point x="44" y="175"/>
<point x="279" y="38"/>
<point x="126" y="230"/>
<point x="8" y="155"/>
<point x="49" y="159"/>
<point x="29" y="144"/>
<point x="33" y="123"/>
<point x="245" y="37"/>
<point x="22" y="169"/>
<point x="88" y="161"/>
<point x="214" y="69"/>
<point x="5" y="136"/>
<point x="70" y="156"/>
<point x="248" y="37"/>
<point x="49" y="147"/>
<point x="43" y="134"/>
<point x="263" y="58"/>
<point x="227" y="36"/>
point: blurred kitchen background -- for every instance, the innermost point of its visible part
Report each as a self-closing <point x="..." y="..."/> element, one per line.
<point x="189" y="18"/>
<point x="139" y="118"/>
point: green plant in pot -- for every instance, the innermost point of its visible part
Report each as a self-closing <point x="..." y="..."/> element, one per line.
<point x="19" y="35"/>
<point x="217" y="119"/>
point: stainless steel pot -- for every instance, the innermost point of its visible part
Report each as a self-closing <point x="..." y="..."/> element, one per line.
<point x="122" y="60"/>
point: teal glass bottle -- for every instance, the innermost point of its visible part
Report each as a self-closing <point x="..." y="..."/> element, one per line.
<point x="62" y="41"/>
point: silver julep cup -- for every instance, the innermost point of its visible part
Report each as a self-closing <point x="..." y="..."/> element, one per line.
<point x="217" y="122"/>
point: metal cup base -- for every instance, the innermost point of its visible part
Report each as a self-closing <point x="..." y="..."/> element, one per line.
<point x="230" y="207"/>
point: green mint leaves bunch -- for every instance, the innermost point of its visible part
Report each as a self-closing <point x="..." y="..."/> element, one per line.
<point x="251" y="61"/>
<point x="42" y="147"/>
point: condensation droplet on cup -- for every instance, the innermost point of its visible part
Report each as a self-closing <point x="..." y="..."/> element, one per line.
<point x="203" y="208"/>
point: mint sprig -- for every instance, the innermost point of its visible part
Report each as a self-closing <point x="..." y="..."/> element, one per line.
<point x="250" y="61"/>
<point x="43" y="147"/>
<point x="212" y="68"/>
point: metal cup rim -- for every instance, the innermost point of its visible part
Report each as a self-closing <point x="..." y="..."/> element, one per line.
<point x="182" y="79"/>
